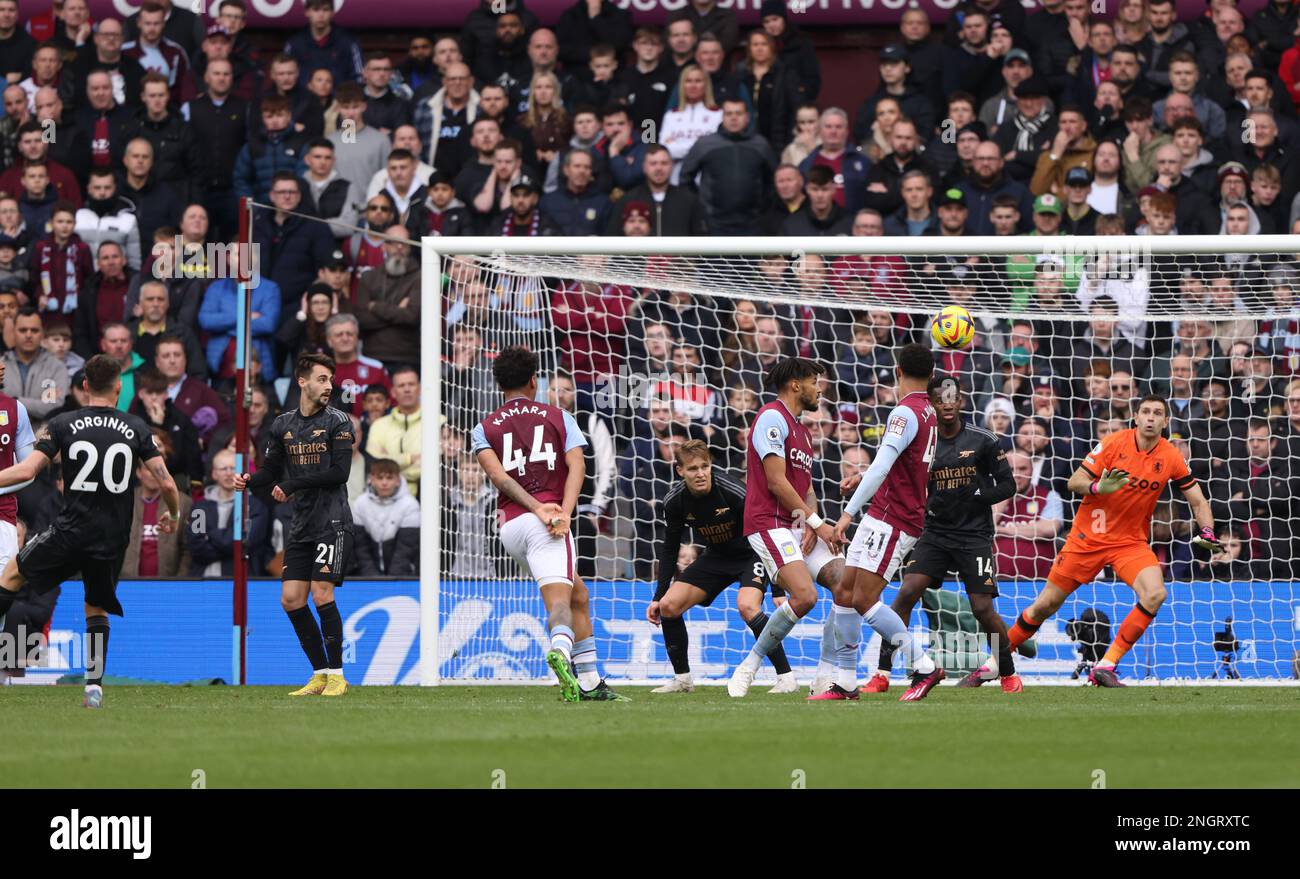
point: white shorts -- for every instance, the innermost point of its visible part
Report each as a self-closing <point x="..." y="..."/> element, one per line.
<point x="547" y="559"/>
<point x="879" y="547"/>
<point x="785" y="548"/>
<point x="8" y="542"/>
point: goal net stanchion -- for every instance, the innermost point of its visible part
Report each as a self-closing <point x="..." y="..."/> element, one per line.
<point x="659" y="339"/>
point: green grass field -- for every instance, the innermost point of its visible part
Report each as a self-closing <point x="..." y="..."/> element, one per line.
<point x="459" y="737"/>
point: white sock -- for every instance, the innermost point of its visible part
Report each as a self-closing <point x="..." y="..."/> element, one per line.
<point x="334" y="671"/>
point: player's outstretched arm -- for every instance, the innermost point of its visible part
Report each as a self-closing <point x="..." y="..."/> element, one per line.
<point x="1200" y="505"/>
<point x="1111" y="480"/>
<point x="25" y="470"/>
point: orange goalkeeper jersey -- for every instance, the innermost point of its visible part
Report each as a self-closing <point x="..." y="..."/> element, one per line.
<point x="1124" y="516"/>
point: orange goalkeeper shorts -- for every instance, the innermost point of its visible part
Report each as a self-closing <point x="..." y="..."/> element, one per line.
<point x="1074" y="567"/>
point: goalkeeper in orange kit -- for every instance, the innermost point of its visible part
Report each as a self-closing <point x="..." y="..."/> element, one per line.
<point x="1121" y="479"/>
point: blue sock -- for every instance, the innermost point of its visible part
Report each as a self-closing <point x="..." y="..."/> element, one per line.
<point x="584" y="662"/>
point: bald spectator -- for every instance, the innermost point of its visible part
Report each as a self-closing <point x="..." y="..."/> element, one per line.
<point x="847" y="162"/>
<point x="15" y="114"/>
<point x="987" y="181"/>
<point x="125" y="73"/>
<point x="156" y="205"/>
<point x="71" y="145"/>
<point x="1027" y="525"/>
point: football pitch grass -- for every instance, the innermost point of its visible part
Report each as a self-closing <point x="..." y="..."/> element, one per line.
<point x="522" y="737"/>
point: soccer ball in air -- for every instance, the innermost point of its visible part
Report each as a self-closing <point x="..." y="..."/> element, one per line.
<point x="953" y="327"/>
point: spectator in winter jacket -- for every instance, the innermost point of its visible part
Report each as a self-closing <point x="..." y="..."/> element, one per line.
<point x="894" y="70"/>
<point x="674" y="210"/>
<point x="71" y="146"/>
<point x="884" y="177"/>
<point x="274" y="147"/>
<point x="398" y="435"/>
<point x="707" y="17"/>
<point x="103" y="300"/>
<point x="178" y="160"/>
<point x="385" y="109"/>
<point x="848" y="163"/>
<point x="60" y="264"/>
<point x="588" y="135"/>
<point x="212" y="524"/>
<point x="291" y="247"/>
<point x="37" y="199"/>
<point x="13" y="269"/>
<point x="32" y="375"/>
<point x="987" y="181"/>
<point x="794" y="48"/>
<point x="693" y="116"/>
<point x="325" y="192"/>
<point x="577" y="207"/>
<point x="441" y="213"/>
<point x="773" y="88"/>
<point x="108" y="216"/>
<point x="156" y="205"/>
<point x="218" y="318"/>
<point x="819" y="216"/>
<point x="387" y="305"/>
<point x="734" y="169"/>
<point x="322" y="44"/>
<point x="388" y="525"/>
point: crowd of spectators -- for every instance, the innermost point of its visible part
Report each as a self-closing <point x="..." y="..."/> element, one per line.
<point x="126" y="144"/>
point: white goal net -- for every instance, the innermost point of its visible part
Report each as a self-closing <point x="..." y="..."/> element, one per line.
<point x="650" y="341"/>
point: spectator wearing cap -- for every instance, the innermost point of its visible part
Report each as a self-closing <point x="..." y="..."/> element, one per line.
<point x="849" y="165"/>
<point x="987" y="182"/>
<point x="635" y="217"/>
<point x="884" y="177"/>
<point x="304" y="332"/>
<point x="1079" y="217"/>
<point x="577" y="207"/>
<point x="819" y="216"/>
<point x="291" y="247"/>
<point x="915" y="217"/>
<point x="1017" y="66"/>
<point x="1029" y="130"/>
<point x="1047" y="215"/>
<point x="796" y="49"/>
<point x="914" y="103"/>
<point x="970" y="61"/>
<point x="707" y="17"/>
<point x="1071" y="147"/>
<point x="675" y="210"/>
<point x="323" y="44"/>
<point x="731" y="170"/>
<point x="325" y="193"/>
<point x="524" y="217"/>
<point x="441" y="213"/>
<point x="337" y="275"/>
<point x="953" y="213"/>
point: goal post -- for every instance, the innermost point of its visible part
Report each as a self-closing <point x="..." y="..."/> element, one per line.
<point x="651" y="340"/>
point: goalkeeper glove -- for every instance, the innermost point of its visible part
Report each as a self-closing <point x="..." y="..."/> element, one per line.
<point x="1207" y="540"/>
<point x="1111" y="481"/>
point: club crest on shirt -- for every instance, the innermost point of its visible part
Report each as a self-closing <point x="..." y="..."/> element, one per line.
<point x="1032" y="508"/>
<point x="965" y="453"/>
<point x="317" y="432"/>
<point x="1157" y="466"/>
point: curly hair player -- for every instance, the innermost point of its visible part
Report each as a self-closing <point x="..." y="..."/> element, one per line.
<point x="308" y="458"/>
